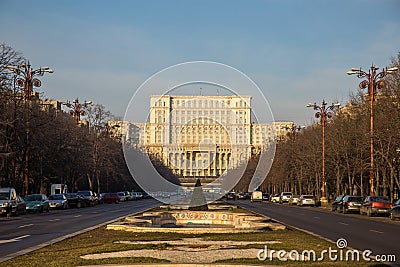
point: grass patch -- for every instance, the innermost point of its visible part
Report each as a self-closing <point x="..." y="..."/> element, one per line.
<point x="101" y="240"/>
<point x="68" y="252"/>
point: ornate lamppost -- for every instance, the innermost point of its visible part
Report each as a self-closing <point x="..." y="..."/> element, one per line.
<point x="77" y="109"/>
<point x="25" y="78"/>
<point x="373" y="81"/>
<point x="323" y="113"/>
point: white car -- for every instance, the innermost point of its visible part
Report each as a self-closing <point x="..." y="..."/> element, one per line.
<point x="275" y="198"/>
<point x="285" y="197"/>
<point x="308" y="200"/>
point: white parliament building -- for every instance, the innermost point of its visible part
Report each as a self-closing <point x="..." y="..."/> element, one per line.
<point x="201" y="136"/>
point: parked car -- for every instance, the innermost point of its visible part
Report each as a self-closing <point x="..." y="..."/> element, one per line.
<point x="307" y="200"/>
<point x="89" y="195"/>
<point x="111" y="198"/>
<point x="122" y="196"/>
<point x="351" y="204"/>
<point x="8" y="201"/>
<point x="337" y="203"/>
<point x="58" y="201"/>
<point x="395" y="211"/>
<point x="294" y="200"/>
<point x="21" y="206"/>
<point x="76" y="200"/>
<point x="285" y="197"/>
<point x="374" y="205"/>
<point x="275" y="198"/>
<point x="37" y="203"/>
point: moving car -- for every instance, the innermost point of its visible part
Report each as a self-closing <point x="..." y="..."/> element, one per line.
<point x="265" y="197"/>
<point x="351" y="204"/>
<point x="374" y="205"/>
<point x="395" y="211"/>
<point x="37" y="203"/>
<point x="337" y="203"/>
<point x="58" y="201"/>
<point x="256" y="196"/>
<point x="231" y="195"/>
<point x="307" y="200"/>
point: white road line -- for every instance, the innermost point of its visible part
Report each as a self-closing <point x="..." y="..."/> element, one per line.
<point x="375" y="231"/>
<point x="54" y="220"/>
<point x="26" y="225"/>
<point x="343" y="223"/>
<point x="316" y="218"/>
<point x="16" y="239"/>
<point x="77" y="216"/>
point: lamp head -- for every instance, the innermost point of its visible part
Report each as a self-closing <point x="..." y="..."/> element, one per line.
<point x="351" y="72"/>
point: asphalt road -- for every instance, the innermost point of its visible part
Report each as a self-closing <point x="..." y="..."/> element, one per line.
<point x="26" y="232"/>
<point x="378" y="234"/>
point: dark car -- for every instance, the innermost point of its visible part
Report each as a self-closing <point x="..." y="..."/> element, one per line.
<point x="76" y="200"/>
<point x="37" y="203"/>
<point x="21" y="206"/>
<point x="374" y="205"/>
<point x="395" y="211"/>
<point x="265" y="197"/>
<point x="89" y="195"/>
<point x="337" y="203"/>
<point x="231" y="195"/>
<point x="111" y="198"/>
<point x="351" y="204"/>
<point x="58" y="201"/>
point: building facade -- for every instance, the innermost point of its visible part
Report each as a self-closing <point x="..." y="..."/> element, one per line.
<point x="201" y="136"/>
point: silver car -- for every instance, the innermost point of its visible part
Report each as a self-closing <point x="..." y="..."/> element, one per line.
<point x="307" y="200"/>
<point x="58" y="201"/>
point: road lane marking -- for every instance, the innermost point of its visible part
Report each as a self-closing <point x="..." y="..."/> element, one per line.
<point x="343" y="223"/>
<point x="316" y="218"/>
<point x="77" y="216"/>
<point x="54" y="220"/>
<point x="375" y="231"/>
<point x="16" y="239"/>
<point x="26" y="225"/>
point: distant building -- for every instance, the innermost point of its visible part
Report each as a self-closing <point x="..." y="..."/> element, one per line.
<point x="201" y="136"/>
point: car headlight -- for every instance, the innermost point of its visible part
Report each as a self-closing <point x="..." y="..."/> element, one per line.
<point x="6" y="204"/>
<point x="37" y="205"/>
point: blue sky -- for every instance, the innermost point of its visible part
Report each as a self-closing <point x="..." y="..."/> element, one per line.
<point x="296" y="51"/>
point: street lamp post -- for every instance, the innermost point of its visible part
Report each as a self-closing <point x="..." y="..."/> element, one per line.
<point x="77" y="109"/>
<point x="293" y="130"/>
<point x="323" y="113"/>
<point x="25" y="78"/>
<point x="373" y="81"/>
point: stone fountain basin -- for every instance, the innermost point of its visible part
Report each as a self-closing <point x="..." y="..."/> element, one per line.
<point x="186" y="221"/>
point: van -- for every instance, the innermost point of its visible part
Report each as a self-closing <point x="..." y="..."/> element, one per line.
<point x="8" y="201"/>
<point x="58" y="189"/>
<point x="256" y="196"/>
